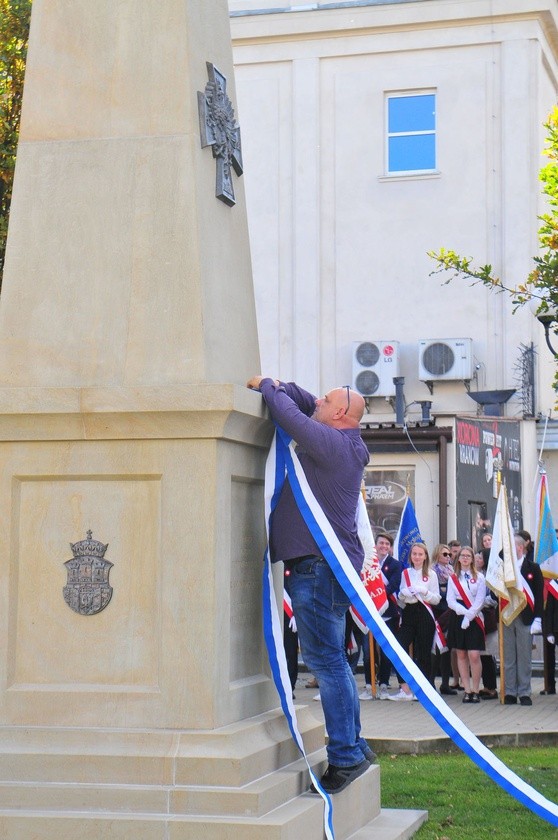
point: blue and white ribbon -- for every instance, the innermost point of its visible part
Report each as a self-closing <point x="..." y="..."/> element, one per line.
<point x="283" y="460"/>
<point x="273" y="627"/>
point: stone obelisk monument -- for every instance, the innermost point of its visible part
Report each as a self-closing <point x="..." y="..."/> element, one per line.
<point x="135" y="698"/>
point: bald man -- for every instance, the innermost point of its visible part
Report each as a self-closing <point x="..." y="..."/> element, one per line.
<point x="333" y="456"/>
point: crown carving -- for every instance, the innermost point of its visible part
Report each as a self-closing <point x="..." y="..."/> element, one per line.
<point x="89" y="547"/>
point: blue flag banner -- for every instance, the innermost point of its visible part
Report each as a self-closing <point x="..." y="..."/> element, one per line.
<point x="283" y="460"/>
<point x="407" y="534"/>
<point x="546" y="542"/>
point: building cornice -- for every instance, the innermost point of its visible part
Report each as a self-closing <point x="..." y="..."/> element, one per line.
<point x="333" y="20"/>
<point x="317" y="7"/>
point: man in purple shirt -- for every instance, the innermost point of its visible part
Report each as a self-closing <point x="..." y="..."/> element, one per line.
<point x="333" y="456"/>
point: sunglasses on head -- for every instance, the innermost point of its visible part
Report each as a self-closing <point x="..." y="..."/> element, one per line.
<point x="348" y="387"/>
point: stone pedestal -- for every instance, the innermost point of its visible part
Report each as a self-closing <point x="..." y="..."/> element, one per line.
<point x="154" y="718"/>
<point x="127" y="332"/>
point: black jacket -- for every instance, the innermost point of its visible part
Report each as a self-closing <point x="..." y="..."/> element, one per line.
<point x="550" y="620"/>
<point x="532" y="573"/>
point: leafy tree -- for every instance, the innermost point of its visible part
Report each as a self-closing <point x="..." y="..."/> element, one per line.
<point x="541" y="285"/>
<point x="15" y="16"/>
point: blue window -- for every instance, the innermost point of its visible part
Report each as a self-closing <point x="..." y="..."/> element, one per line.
<point x="411" y="132"/>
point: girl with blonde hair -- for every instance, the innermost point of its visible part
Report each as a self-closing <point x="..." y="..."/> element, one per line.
<point x="465" y="596"/>
<point x="419" y="592"/>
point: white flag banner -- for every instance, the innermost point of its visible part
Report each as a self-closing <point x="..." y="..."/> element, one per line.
<point x="503" y="575"/>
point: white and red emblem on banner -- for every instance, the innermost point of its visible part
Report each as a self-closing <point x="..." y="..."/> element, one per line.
<point x="373" y="581"/>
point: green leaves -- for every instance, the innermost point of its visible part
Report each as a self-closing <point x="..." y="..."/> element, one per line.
<point x="462" y="267"/>
<point x="15" y="17"/>
<point x="541" y="284"/>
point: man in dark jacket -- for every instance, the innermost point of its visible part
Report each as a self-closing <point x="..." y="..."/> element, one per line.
<point x="391" y="575"/>
<point x="333" y="456"/>
<point x="550" y="632"/>
<point x="517" y="637"/>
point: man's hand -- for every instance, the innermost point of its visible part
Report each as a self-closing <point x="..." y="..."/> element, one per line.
<point x="254" y="383"/>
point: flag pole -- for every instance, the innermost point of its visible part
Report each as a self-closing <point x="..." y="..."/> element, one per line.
<point x="500" y="619"/>
<point x="545" y="664"/>
<point x="371" y="651"/>
<point x="372" y="664"/>
<point x="501" y="652"/>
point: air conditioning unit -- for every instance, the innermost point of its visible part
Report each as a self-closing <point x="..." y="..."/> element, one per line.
<point x="445" y="358"/>
<point x="375" y="363"/>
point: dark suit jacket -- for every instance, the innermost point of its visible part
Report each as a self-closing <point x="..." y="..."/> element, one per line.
<point x="392" y="569"/>
<point x="550" y="620"/>
<point x="532" y="573"/>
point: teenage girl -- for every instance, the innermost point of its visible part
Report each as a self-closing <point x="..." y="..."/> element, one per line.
<point x="419" y="592"/>
<point x="465" y="596"/>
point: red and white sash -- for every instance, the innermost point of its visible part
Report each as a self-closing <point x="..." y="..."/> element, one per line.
<point x="439" y="638"/>
<point x="391" y="597"/>
<point x="552" y="587"/>
<point x="528" y="593"/>
<point x="466" y="600"/>
<point x="287" y="604"/>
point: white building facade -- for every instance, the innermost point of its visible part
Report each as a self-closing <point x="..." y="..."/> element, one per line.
<point x="372" y="133"/>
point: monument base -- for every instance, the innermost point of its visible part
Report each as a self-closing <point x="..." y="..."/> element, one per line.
<point x="153" y="717"/>
<point x="242" y="781"/>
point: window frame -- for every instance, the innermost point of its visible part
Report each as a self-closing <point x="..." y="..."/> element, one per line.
<point x="401" y="94"/>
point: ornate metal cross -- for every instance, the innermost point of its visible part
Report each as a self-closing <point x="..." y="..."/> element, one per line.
<point x="219" y="130"/>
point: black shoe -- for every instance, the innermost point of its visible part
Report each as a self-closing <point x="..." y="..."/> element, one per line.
<point x="457" y="687"/>
<point x="510" y="700"/>
<point x="467" y="698"/>
<point x="369" y="755"/>
<point x="336" y="779"/>
<point x="525" y="701"/>
<point x="446" y="689"/>
<point x="547" y="691"/>
<point x="475" y="697"/>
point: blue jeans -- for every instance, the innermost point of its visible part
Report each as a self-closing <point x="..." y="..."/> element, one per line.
<point x="319" y="606"/>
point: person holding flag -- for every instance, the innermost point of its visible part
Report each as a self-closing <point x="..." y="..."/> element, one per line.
<point x="546" y="557"/>
<point x="518" y="583"/>
<point x="550" y="632"/>
<point x="389" y="571"/>
<point x="333" y="456"/>
<point x="518" y="646"/>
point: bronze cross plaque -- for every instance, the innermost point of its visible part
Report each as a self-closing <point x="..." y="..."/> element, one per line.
<point x="219" y="130"/>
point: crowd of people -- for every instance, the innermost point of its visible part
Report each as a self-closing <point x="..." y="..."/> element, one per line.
<point x="442" y="613"/>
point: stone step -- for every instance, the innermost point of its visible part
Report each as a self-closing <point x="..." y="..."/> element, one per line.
<point x="254" y="799"/>
<point x="295" y="823"/>
<point x="234" y="755"/>
<point x="300" y="817"/>
<point x="240" y="781"/>
<point x="392" y="824"/>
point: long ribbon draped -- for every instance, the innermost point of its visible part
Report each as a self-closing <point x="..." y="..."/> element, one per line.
<point x="283" y="461"/>
<point x="273" y="630"/>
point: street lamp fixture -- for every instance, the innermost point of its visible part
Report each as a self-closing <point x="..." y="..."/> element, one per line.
<point x="548" y="318"/>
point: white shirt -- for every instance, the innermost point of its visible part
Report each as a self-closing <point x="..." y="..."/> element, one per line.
<point x="428" y="589"/>
<point x="475" y="589"/>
